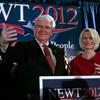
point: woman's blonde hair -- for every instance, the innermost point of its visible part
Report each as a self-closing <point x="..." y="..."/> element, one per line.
<point x="95" y="37"/>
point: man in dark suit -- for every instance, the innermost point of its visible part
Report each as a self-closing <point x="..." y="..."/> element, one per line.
<point x="29" y="57"/>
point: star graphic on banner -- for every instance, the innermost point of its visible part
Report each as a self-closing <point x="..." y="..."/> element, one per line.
<point x="29" y="25"/>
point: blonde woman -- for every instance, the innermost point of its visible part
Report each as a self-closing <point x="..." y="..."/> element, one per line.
<point x="88" y="62"/>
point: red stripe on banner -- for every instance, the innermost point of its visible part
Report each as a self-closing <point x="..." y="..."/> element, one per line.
<point x="18" y="28"/>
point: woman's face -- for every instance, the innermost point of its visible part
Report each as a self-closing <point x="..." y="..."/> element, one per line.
<point x="88" y="41"/>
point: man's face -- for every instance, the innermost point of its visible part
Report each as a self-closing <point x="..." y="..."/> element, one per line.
<point x="43" y="31"/>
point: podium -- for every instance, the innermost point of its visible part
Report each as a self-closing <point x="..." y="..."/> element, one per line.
<point x="69" y="87"/>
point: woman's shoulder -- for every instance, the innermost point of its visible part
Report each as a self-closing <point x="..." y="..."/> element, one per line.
<point x="98" y="53"/>
<point x="77" y="58"/>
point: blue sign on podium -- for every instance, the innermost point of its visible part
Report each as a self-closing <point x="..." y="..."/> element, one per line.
<point x="70" y="87"/>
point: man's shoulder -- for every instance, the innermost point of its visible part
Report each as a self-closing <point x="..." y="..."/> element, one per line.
<point x="54" y="47"/>
<point x="24" y="46"/>
<point x="24" y="43"/>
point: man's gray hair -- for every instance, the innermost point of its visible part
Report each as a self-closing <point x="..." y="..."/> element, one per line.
<point x="47" y="18"/>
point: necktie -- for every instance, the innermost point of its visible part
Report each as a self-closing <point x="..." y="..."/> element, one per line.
<point x="49" y="58"/>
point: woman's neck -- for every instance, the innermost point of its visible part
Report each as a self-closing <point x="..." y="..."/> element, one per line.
<point x="88" y="54"/>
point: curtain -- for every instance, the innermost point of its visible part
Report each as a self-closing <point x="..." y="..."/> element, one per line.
<point x="91" y="16"/>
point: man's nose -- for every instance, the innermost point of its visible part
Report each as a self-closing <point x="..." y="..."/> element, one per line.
<point x="43" y="28"/>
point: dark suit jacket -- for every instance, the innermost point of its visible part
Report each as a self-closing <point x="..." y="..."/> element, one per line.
<point x="32" y="64"/>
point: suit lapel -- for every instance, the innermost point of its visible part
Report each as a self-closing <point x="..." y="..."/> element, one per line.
<point x="41" y="58"/>
<point x="54" y="51"/>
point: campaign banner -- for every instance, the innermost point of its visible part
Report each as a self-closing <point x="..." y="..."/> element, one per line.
<point x="70" y="87"/>
<point x="68" y="20"/>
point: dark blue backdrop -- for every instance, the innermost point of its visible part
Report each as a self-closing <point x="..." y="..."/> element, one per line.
<point x="68" y="23"/>
<point x="70" y="20"/>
